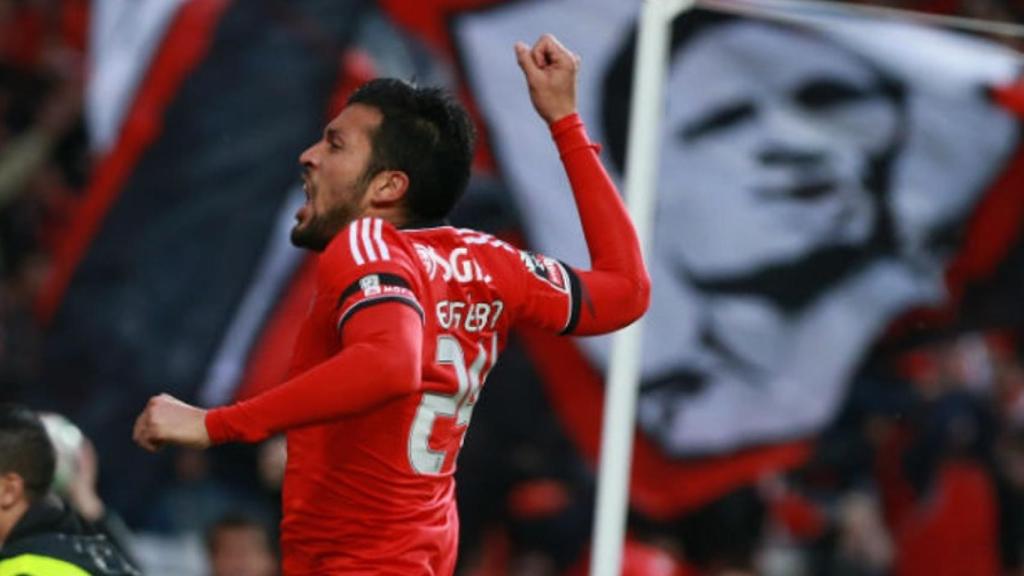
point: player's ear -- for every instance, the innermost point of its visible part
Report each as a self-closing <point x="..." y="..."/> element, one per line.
<point x="388" y="188"/>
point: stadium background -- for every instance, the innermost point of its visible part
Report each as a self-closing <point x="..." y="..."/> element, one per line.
<point x="147" y="183"/>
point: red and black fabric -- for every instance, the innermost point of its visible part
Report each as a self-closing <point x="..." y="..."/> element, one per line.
<point x="178" y="215"/>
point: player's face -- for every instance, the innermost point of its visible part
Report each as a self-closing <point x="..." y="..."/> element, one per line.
<point x="334" y="176"/>
<point x="771" y="138"/>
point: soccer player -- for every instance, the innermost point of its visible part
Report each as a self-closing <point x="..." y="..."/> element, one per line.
<point x="408" y="319"/>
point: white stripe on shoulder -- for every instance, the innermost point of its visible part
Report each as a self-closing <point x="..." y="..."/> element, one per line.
<point x="371" y="255"/>
<point x="381" y="246"/>
<point x="353" y="242"/>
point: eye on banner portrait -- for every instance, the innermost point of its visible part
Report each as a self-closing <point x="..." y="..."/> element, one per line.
<point x="815" y="184"/>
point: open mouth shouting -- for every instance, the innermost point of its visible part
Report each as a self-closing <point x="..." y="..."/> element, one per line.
<point x="306" y="210"/>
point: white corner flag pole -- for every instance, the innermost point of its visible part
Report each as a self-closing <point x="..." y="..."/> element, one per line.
<point x="620" y="398"/>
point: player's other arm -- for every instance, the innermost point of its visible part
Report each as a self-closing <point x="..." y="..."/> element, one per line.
<point x="616" y="290"/>
<point x="379" y="361"/>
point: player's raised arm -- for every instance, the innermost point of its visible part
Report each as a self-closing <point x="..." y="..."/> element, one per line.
<point x="616" y="290"/>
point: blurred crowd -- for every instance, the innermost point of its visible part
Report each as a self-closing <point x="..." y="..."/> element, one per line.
<point x="923" y="472"/>
<point x="44" y="162"/>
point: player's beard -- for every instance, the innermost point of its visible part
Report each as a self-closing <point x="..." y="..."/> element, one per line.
<point x="316" y="232"/>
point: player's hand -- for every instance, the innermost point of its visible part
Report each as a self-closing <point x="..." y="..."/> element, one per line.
<point x="167" y="420"/>
<point x="550" y="70"/>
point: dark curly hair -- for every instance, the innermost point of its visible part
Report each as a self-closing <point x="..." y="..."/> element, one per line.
<point x="425" y="133"/>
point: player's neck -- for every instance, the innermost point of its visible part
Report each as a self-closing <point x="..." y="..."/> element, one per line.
<point x="390" y="214"/>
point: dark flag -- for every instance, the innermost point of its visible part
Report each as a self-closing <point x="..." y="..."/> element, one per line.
<point x="179" y="255"/>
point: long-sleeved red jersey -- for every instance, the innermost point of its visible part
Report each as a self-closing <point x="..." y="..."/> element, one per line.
<point x="404" y="328"/>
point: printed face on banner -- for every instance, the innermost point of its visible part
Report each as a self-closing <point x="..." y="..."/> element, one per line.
<point x="774" y="191"/>
<point x="770" y="162"/>
<point x="810" y="177"/>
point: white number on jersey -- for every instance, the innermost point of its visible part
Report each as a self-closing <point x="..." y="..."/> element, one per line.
<point x="423" y="459"/>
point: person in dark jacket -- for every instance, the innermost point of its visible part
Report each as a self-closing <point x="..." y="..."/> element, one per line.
<point x="39" y="534"/>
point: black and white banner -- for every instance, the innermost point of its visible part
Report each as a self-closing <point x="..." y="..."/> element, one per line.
<point x="812" y="182"/>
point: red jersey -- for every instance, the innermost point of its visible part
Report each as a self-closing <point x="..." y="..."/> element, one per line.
<point x="374" y="491"/>
<point x="373" y="439"/>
